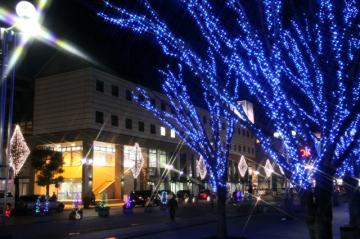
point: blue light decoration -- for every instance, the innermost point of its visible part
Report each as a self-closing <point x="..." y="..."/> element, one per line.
<point x="46" y="205"/>
<point x="302" y="70"/>
<point x="37" y="207"/>
<point x="238" y="196"/>
<point x="76" y="201"/>
<point x="164" y="198"/>
<point x="128" y="201"/>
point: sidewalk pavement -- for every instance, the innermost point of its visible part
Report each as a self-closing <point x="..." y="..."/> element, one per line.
<point x="255" y="226"/>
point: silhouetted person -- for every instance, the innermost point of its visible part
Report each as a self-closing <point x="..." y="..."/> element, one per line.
<point x="53" y="197"/>
<point x="173" y="205"/>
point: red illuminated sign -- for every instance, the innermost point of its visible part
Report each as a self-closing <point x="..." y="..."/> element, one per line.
<point x="305" y="152"/>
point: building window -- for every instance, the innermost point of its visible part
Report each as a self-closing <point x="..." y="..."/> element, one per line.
<point x="152" y="129"/>
<point x="99" y="86"/>
<point x="204" y="120"/>
<point x="247" y="134"/>
<point x="239" y="148"/>
<point x="141" y="126"/>
<point x="153" y="102"/>
<point x="129" y="156"/>
<point x="252" y="151"/>
<point x="239" y="131"/>
<point x="172" y="133"/>
<point x="234" y="147"/>
<point x="114" y="120"/>
<point x="163" y="106"/>
<point x="104" y="154"/>
<point x="162" y="131"/>
<point x="115" y="90"/>
<point x="244" y="149"/>
<point x="128" y="123"/>
<point x="243" y="132"/>
<point x="72" y="156"/>
<point x="128" y="95"/>
<point x="99" y="117"/>
<point x="162" y="158"/>
<point x="248" y="150"/>
<point x="152" y="158"/>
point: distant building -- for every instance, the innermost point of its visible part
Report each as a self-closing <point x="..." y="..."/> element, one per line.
<point x="89" y="116"/>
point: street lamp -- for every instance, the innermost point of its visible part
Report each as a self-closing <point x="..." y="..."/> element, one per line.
<point x="25" y="9"/>
<point x="26" y="21"/>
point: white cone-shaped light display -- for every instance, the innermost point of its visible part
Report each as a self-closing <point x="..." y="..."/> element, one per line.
<point x="19" y="151"/>
<point x="269" y="169"/>
<point x="138" y="161"/>
<point x="201" y="168"/>
<point x="242" y="166"/>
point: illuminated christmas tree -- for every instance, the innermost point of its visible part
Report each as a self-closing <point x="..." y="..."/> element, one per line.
<point x="301" y="68"/>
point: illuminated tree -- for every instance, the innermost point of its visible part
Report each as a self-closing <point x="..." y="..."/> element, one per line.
<point x="48" y="167"/>
<point x="211" y="140"/>
<point x="298" y="61"/>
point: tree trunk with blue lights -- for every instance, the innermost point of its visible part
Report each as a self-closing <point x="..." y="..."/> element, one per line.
<point x="299" y="64"/>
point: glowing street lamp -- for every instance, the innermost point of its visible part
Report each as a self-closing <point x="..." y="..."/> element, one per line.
<point x="25" y="9"/>
<point x="27" y="24"/>
<point x="28" y="21"/>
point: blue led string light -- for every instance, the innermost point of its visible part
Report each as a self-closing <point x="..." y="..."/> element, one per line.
<point x="299" y="72"/>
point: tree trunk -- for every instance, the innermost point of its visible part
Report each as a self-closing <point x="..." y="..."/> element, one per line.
<point x="47" y="189"/>
<point x="16" y="182"/>
<point x="221" y="213"/>
<point x="323" y="193"/>
<point x="318" y="206"/>
<point x="308" y="202"/>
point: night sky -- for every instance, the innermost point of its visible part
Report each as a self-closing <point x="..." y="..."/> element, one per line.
<point x="116" y="50"/>
<point x="119" y="51"/>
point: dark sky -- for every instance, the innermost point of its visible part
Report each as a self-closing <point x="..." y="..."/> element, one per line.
<point x="129" y="56"/>
<point x="132" y="57"/>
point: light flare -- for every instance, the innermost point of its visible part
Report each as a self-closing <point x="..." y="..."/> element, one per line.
<point x="31" y="28"/>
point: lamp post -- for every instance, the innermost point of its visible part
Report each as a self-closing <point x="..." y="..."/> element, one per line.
<point x="27" y="20"/>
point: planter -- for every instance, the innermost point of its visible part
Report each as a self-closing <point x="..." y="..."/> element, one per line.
<point x="76" y="214"/>
<point x="103" y="211"/>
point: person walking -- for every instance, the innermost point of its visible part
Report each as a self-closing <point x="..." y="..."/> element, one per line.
<point x="172" y="205"/>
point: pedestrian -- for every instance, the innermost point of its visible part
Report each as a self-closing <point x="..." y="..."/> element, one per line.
<point x="53" y="197"/>
<point x="172" y="205"/>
